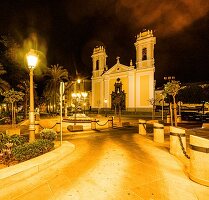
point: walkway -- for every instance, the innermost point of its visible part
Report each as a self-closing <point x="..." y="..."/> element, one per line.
<point x="119" y="165"/>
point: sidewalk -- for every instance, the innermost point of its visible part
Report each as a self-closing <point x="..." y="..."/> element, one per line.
<point x="154" y="174"/>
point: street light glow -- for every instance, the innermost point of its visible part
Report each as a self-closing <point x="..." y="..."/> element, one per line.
<point x="84" y="94"/>
<point x="74" y="95"/>
<point x="32" y="59"/>
<point x="78" y="95"/>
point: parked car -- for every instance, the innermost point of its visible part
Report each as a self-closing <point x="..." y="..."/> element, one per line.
<point x="189" y="115"/>
<point x="202" y="117"/>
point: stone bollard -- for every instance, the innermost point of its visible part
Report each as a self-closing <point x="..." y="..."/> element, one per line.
<point x="205" y="125"/>
<point x="168" y="119"/>
<point x="93" y="124"/>
<point x="142" y="127"/>
<point x="110" y="122"/>
<point x="175" y="144"/>
<point x="58" y="127"/>
<point x="199" y="160"/>
<point x="158" y="133"/>
<point x="36" y="127"/>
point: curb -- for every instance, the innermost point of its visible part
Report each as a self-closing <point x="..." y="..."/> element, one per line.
<point x="15" y="173"/>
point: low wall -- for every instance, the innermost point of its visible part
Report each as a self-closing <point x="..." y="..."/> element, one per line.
<point x="13" y="174"/>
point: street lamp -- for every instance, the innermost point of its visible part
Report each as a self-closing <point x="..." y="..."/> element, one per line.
<point x="163" y="98"/>
<point x="79" y="80"/>
<point x="169" y="78"/>
<point x="32" y="60"/>
<point x="105" y="101"/>
<point x="84" y="95"/>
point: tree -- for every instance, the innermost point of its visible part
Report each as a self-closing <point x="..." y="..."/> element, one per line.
<point x="55" y="75"/>
<point x="153" y="101"/>
<point x="4" y="85"/>
<point x="172" y="88"/>
<point x="192" y="93"/>
<point x="12" y="97"/>
<point x="11" y="48"/>
<point x="24" y="86"/>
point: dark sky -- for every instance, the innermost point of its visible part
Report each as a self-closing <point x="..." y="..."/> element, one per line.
<point x="68" y="30"/>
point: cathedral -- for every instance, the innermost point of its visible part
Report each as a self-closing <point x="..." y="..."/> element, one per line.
<point x="135" y="82"/>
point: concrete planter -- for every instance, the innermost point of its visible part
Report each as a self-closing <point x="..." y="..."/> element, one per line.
<point x="199" y="160"/>
<point x="158" y="132"/>
<point x="13" y="174"/>
<point x="13" y="130"/>
<point x="74" y="128"/>
<point x="175" y="145"/>
<point x="142" y="127"/>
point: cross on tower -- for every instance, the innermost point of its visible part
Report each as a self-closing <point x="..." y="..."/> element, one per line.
<point x="118" y="59"/>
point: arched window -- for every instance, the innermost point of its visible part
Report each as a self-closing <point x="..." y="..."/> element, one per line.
<point x="144" y="54"/>
<point x="97" y="65"/>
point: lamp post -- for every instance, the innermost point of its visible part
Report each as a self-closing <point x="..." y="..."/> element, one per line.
<point x="84" y="95"/>
<point x="163" y="97"/>
<point x="105" y="101"/>
<point x="32" y="60"/>
<point x="84" y="105"/>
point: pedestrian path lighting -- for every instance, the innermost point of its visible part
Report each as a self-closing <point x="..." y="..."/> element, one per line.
<point x="32" y="60"/>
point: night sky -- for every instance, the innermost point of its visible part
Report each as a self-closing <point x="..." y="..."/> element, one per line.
<point x="67" y="31"/>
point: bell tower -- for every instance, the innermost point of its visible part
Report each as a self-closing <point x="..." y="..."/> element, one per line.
<point x="145" y="50"/>
<point x="99" y="61"/>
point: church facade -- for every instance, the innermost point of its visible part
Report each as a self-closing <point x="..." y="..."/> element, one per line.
<point x="137" y="81"/>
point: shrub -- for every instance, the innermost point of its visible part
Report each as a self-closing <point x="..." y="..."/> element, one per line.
<point x="31" y="150"/>
<point x="48" y="134"/>
<point x="6" y="154"/>
<point x="14" y="139"/>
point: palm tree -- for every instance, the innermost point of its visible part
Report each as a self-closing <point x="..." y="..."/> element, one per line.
<point x="24" y="86"/>
<point x="4" y="86"/>
<point x="56" y="74"/>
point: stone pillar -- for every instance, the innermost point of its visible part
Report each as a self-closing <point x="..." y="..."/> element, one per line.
<point x="199" y="160"/>
<point x="36" y="127"/>
<point x="110" y="122"/>
<point x="175" y="145"/>
<point x="93" y="124"/>
<point x="142" y="127"/>
<point x="158" y="132"/>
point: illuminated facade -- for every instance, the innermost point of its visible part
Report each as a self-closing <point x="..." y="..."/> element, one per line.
<point x="137" y="81"/>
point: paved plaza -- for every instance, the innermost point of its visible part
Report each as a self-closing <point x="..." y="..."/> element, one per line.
<point x="113" y="164"/>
